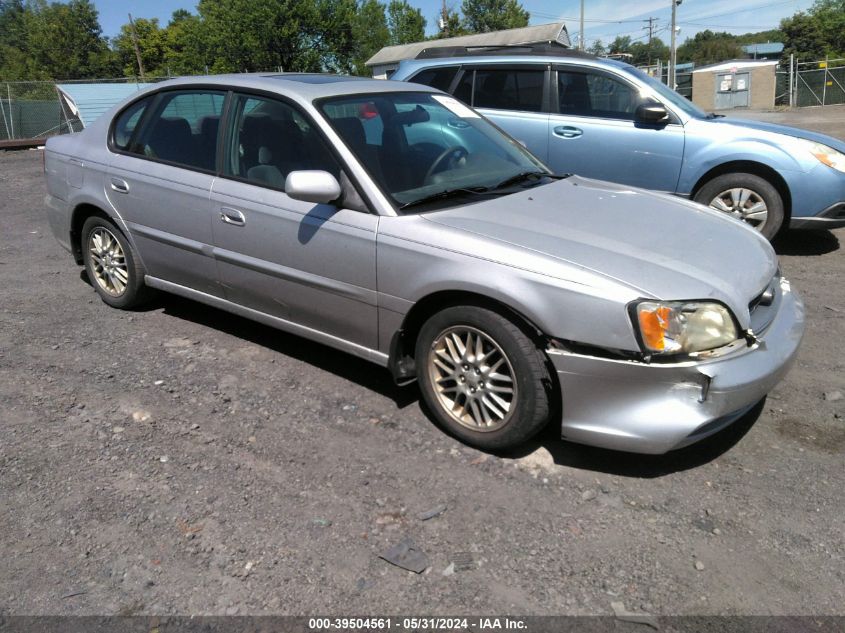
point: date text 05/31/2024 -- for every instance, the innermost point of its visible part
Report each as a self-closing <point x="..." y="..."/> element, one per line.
<point x="414" y="624"/>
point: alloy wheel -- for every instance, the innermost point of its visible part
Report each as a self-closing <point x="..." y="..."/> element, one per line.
<point x="744" y="204"/>
<point x="108" y="261"/>
<point x="472" y="378"/>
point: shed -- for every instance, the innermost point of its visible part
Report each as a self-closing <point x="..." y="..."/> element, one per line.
<point x="738" y="83"/>
<point x="387" y="59"/>
<point x="82" y="104"/>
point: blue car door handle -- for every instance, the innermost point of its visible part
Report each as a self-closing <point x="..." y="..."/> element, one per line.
<point x="567" y="131"/>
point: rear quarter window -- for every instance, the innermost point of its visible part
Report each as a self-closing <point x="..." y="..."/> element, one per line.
<point x="126" y="122"/>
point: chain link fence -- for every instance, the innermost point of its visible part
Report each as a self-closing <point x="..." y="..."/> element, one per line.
<point x="820" y="83"/>
<point x="34" y="110"/>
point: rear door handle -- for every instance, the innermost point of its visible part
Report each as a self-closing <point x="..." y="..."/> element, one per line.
<point x="232" y="216"/>
<point x="567" y="131"/>
<point x="119" y="185"/>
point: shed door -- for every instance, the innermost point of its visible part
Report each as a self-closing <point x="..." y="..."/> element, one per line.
<point x="732" y="90"/>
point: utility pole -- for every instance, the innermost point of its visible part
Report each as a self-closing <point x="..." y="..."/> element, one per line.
<point x="651" y="21"/>
<point x="673" y="56"/>
<point x="581" y="42"/>
<point x="135" y="45"/>
<point x="444" y="19"/>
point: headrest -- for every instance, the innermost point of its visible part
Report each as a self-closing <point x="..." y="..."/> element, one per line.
<point x="264" y="155"/>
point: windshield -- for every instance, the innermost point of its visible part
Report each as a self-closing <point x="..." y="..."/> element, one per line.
<point x="422" y="147"/>
<point x="667" y="93"/>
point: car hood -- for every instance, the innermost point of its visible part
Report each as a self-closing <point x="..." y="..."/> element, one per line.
<point x="658" y="245"/>
<point x="774" y="128"/>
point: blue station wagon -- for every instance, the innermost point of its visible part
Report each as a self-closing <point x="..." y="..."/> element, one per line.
<point x="605" y="119"/>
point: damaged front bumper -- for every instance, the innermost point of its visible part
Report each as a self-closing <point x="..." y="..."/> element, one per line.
<point x="656" y="407"/>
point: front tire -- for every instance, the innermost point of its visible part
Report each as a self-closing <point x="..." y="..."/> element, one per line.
<point x="747" y="197"/>
<point x="482" y="377"/>
<point x="112" y="266"/>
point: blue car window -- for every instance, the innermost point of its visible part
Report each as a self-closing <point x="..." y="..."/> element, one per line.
<point x="596" y="95"/>
<point x="509" y="89"/>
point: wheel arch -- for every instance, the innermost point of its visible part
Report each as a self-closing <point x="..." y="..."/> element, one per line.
<point x="750" y="167"/>
<point x="80" y="214"/>
<point x="403" y="343"/>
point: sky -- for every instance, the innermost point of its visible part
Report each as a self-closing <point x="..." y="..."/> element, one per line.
<point x="603" y="19"/>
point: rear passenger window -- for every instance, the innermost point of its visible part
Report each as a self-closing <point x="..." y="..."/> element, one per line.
<point x="127" y="121"/>
<point x="270" y="139"/>
<point x="440" y="78"/>
<point x="508" y="89"/>
<point x="184" y="129"/>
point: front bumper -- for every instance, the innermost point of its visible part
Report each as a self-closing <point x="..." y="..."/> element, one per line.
<point x="831" y="218"/>
<point x="654" y="408"/>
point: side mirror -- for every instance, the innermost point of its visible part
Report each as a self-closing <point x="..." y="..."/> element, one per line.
<point x="312" y="186"/>
<point x="651" y="113"/>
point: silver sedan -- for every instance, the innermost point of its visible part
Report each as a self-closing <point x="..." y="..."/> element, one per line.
<point x="393" y="222"/>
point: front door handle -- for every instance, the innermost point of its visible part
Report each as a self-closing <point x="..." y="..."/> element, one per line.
<point x="119" y="185"/>
<point x="232" y="216"/>
<point x="567" y="131"/>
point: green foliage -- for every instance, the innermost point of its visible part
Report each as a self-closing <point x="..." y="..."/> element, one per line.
<point x="451" y="25"/>
<point x="483" y="16"/>
<point x="645" y="53"/>
<point x="818" y="33"/>
<point x="406" y="24"/>
<point x="621" y="44"/>
<point x="597" y="48"/>
<point x="371" y="33"/>
<point x="708" y="47"/>
<point x="59" y="40"/>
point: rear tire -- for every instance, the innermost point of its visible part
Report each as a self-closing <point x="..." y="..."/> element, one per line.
<point x="113" y="268"/>
<point x="747" y="197"/>
<point x="482" y="377"/>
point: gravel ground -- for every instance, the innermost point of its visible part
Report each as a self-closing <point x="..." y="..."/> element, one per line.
<point x="179" y="460"/>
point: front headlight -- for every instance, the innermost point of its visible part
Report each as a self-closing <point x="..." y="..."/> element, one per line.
<point x="827" y="155"/>
<point x="677" y="327"/>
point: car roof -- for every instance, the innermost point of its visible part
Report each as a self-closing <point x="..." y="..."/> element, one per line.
<point x="580" y="59"/>
<point x="306" y="85"/>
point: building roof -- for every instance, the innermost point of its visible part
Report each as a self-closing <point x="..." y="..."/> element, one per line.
<point x="739" y="64"/>
<point x="769" y="48"/>
<point x="554" y="32"/>
<point x="89" y="101"/>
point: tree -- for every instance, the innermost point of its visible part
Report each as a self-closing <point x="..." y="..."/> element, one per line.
<point x="65" y="40"/>
<point x="152" y="45"/>
<point x="185" y="50"/>
<point x="371" y="33"/>
<point x="708" y="47"/>
<point x="449" y="24"/>
<point x="14" y="61"/>
<point x="255" y="35"/>
<point x="405" y="23"/>
<point x="818" y="33"/>
<point x="645" y="53"/>
<point x="597" y="48"/>
<point x="621" y="44"/>
<point x="483" y="16"/>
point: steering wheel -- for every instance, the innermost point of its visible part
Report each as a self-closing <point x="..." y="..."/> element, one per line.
<point x="452" y="155"/>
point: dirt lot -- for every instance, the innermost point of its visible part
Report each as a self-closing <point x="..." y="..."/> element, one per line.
<point x="182" y="460"/>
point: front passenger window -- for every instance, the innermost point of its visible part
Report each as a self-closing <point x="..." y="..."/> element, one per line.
<point x="596" y="95"/>
<point x="270" y="139"/>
